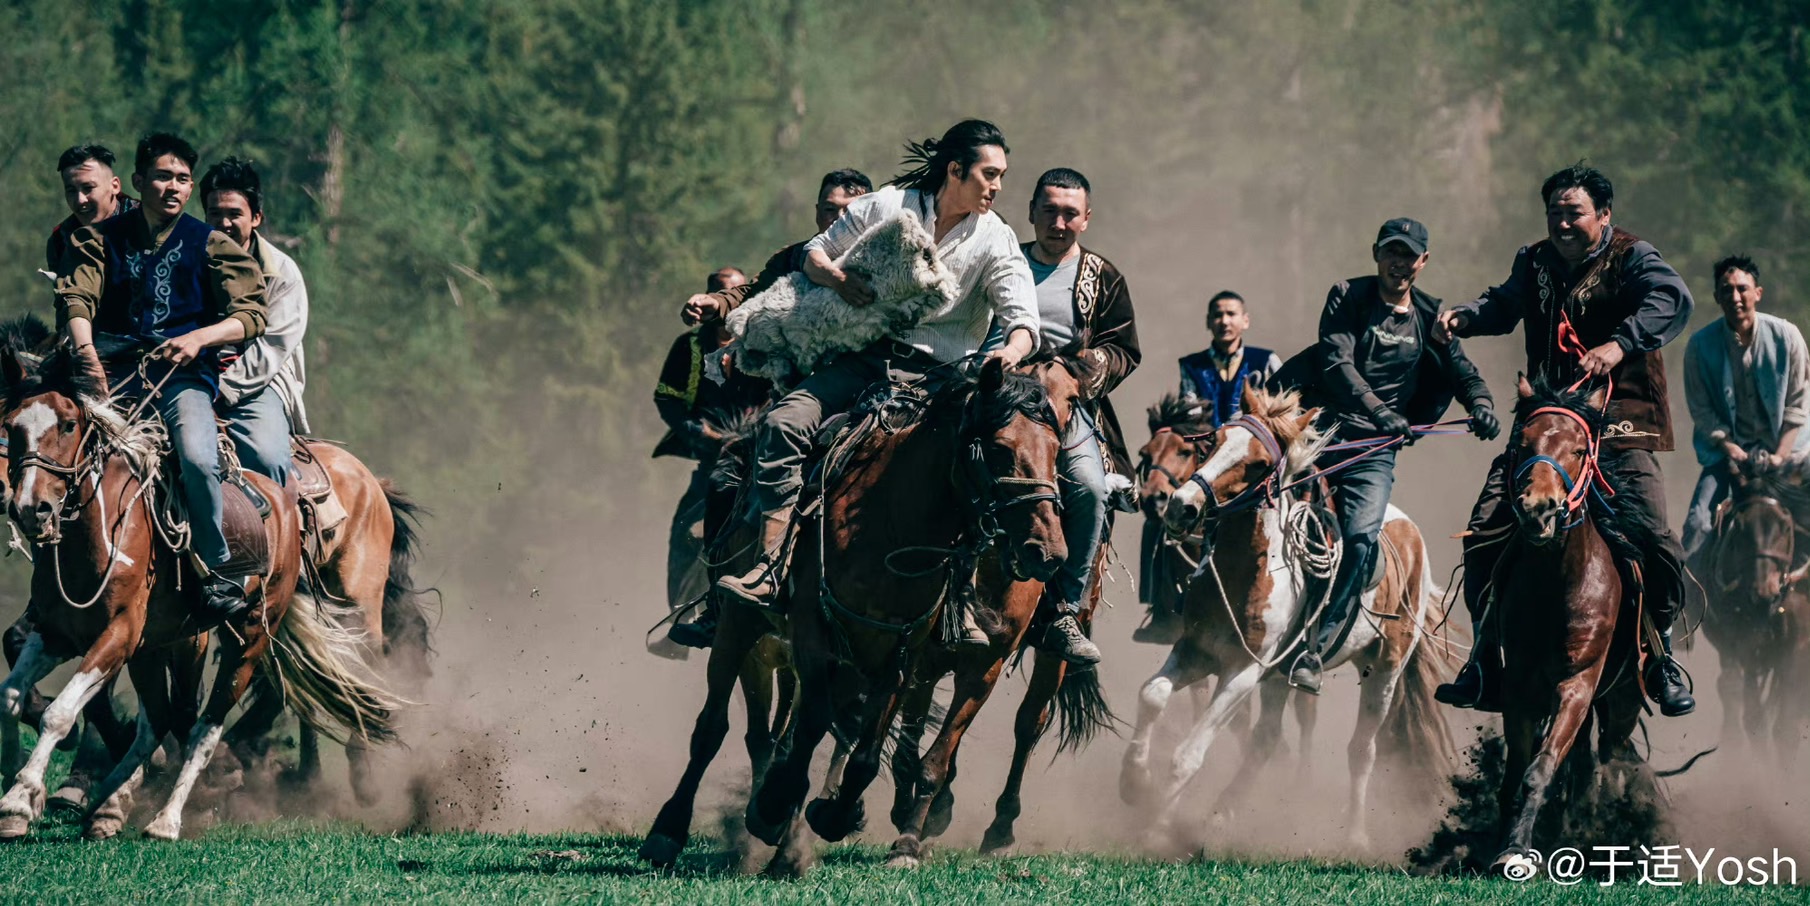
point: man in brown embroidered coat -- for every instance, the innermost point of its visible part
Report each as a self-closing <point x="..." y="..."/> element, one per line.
<point x="1086" y="323"/>
<point x="1625" y="303"/>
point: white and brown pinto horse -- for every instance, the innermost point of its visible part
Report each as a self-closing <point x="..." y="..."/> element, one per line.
<point x="1247" y="613"/>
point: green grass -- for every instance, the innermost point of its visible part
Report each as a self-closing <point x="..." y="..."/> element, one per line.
<point x="289" y="862"/>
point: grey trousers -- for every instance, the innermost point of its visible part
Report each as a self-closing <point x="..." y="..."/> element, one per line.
<point x="788" y="432"/>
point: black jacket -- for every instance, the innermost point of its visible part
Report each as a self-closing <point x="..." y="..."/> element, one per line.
<point x="1326" y="374"/>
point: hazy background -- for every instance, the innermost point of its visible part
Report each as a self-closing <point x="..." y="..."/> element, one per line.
<point x="499" y="207"/>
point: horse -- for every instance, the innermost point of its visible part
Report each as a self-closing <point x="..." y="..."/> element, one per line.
<point x="1760" y="620"/>
<point x="746" y="650"/>
<point x="1181" y="439"/>
<point x="1055" y="689"/>
<point x="1569" y="652"/>
<point x="84" y="480"/>
<point x="1247" y="614"/>
<point x="977" y="469"/>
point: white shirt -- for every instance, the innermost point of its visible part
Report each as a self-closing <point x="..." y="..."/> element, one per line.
<point x="275" y="358"/>
<point x="992" y="277"/>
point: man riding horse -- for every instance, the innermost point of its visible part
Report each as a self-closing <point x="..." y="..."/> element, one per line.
<point x="1597" y="302"/>
<point x="1378" y="376"/>
<point x="1747" y="382"/>
<point x="1218" y="374"/>
<point x="91" y="189"/>
<point x="951" y="191"/>
<point x="167" y="281"/>
<point x="1087" y="323"/>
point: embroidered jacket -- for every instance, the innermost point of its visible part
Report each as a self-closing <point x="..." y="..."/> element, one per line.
<point x="1106" y="339"/>
<point x="684" y="396"/>
<point x="1201" y="379"/>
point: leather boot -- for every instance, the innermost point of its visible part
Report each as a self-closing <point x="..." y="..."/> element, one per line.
<point x="1666" y="683"/>
<point x="760" y="586"/>
<point x="699" y="633"/>
<point x="222" y="599"/>
<point x="1477" y="685"/>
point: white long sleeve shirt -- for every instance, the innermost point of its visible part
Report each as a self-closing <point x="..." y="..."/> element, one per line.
<point x="275" y="358"/>
<point x="992" y="277"/>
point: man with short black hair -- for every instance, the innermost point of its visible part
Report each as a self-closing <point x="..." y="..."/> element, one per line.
<point x="1219" y="373"/>
<point x="1379" y="376"/>
<point x="1087" y="323"/>
<point x="1590" y="283"/>
<point x="91" y="189"/>
<point x="261" y="389"/>
<point x="165" y="280"/>
<point x="1747" y="381"/>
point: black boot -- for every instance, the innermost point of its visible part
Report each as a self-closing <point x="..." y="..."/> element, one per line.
<point x="1666" y="682"/>
<point x="222" y="599"/>
<point x="1475" y="687"/>
<point x="699" y="633"/>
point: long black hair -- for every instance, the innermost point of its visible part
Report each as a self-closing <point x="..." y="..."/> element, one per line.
<point x="929" y="159"/>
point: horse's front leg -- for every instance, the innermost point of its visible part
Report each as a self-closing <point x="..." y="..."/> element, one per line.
<point x="1228" y="705"/>
<point x="1729" y="685"/>
<point x="25" y="800"/>
<point x="1181" y="670"/>
<point x="1033" y="719"/>
<point x="237" y="666"/>
<point x="30" y="665"/>
<point x="152" y="671"/>
<point x="908" y="740"/>
<point x="1376" y="698"/>
<point x="1574" y="694"/>
<point x="775" y="803"/>
<point x="1260" y="750"/>
<point x="972" y="687"/>
<point x="836" y="817"/>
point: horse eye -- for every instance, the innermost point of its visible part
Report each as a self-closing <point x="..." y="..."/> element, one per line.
<point x="68" y="426"/>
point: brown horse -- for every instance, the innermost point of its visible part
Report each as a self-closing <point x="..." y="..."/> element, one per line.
<point x="920" y="811"/>
<point x="1181" y="439"/>
<point x="108" y="589"/>
<point x="1247" y="614"/>
<point x="745" y="650"/>
<point x="1568" y="634"/>
<point x="1759" y="618"/>
<point x="978" y="469"/>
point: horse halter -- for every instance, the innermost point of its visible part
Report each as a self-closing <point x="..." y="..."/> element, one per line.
<point x="1146" y="465"/>
<point x="1260" y="493"/>
<point x="69" y="472"/>
<point x="1577" y="490"/>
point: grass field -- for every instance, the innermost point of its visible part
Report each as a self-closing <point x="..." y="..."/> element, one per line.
<point x="288" y="862"/>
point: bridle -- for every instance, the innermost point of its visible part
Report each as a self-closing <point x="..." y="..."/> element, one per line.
<point x="85" y="463"/>
<point x="1785" y="561"/>
<point x="1590" y="477"/>
<point x="1146" y="465"/>
<point x="1262" y="493"/>
<point x="990" y="494"/>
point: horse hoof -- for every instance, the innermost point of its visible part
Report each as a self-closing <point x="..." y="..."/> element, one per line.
<point x="68" y="799"/>
<point x="1134" y="786"/>
<point x="760" y="829"/>
<point x="103" y="829"/>
<point x="164" y="829"/>
<point x="661" y="851"/>
<point x="902" y="860"/>
<point x="14" y="827"/>
<point x="907" y="852"/>
<point x="996" y="841"/>
<point x="942" y="811"/>
<point x="833" y="824"/>
<point x="1516" y="866"/>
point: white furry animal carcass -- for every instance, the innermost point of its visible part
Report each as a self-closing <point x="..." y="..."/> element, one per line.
<point x="795" y="325"/>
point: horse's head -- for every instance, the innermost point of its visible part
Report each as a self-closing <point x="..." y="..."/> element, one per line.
<point x="1757" y="544"/>
<point x="47" y="429"/>
<point x="1251" y="456"/>
<point x="1011" y="434"/>
<point x="1558" y="457"/>
<point x="1181" y="439"/>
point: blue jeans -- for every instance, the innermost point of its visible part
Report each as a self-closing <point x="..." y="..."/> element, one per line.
<point x="186" y="405"/>
<point x="259" y="427"/>
<point x="1082" y="470"/>
<point x="1362" y="491"/>
<point x="1700" y="519"/>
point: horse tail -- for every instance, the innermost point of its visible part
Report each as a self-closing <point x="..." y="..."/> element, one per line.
<point x="407" y="631"/>
<point x="316" y="664"/>
<point x="1081" y="710"/>
<point x="1415" y="731"/>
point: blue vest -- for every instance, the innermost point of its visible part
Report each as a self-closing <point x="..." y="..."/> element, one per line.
<point x="1227" y="396"/>
<point x="153" y="296"/>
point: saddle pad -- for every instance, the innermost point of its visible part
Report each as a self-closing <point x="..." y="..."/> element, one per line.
<point x="247" y="544"/>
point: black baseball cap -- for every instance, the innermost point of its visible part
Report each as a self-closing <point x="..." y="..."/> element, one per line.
<point x="1405" y="230"/>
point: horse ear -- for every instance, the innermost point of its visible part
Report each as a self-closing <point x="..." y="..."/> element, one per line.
<point x="12" y="369"/>
<point x="1248" y="397"/>
<point x="1599" y="398"/>
<point x="1522" y="388"/>
<point x="992" y="376"/>
<point x="1307" y="418"/>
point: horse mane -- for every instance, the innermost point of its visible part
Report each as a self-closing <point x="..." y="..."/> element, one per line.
<point x="1018" y="394"/>
<point x="1183" y="415"/>
<point x="25" y="333"/>
<point x="63" y="372"/>
<point x="1281" y="412"/>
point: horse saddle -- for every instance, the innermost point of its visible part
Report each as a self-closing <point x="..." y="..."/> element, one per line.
<point x="1320" y="494"/>
<point x="321" y="506"/>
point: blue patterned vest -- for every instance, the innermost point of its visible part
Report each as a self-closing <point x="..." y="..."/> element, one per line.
<point x="1227" y="396"/>
<point x="154" y="295"/>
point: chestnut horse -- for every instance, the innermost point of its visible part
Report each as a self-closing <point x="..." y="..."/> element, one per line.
<point x="1181" y="439"/>
<point x="1759" y="616"/>
<point x="920" y="810"/>
<point x="1568" y="635"/>
<point x="1247" y="614"/>
<point x="107" y="588"/>
<point x="978" y="469"/>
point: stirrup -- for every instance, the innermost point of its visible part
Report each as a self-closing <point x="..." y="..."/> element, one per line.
<point x="1305" y="673"/>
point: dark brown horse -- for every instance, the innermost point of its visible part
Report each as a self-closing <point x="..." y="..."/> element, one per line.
<point x="920" y="810"/>
<point x="978" y="469"/>
<point x="1568" y="634"/>
<point x="1759" y="615"/>
<point x="107" y="588"/>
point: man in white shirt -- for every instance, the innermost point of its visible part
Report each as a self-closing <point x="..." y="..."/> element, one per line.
<point x="261" y="390"/>
<point x="952" y="192"/>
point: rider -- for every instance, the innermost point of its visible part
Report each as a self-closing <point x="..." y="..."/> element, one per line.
<point x="1379" y="376"/>
<point x="92" y="192"/>
<point x="1219" y="373"/>
<point x="685" y="398"/>
<point x="159" y="276"/>
<point x="1085" y="311"/>
<point x="838" y="188"/>
<point x="1747" y="381"/>
<point x="261" y="390"/>
<point x="952" y="192"/>
<point x="1624" y="303"/>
